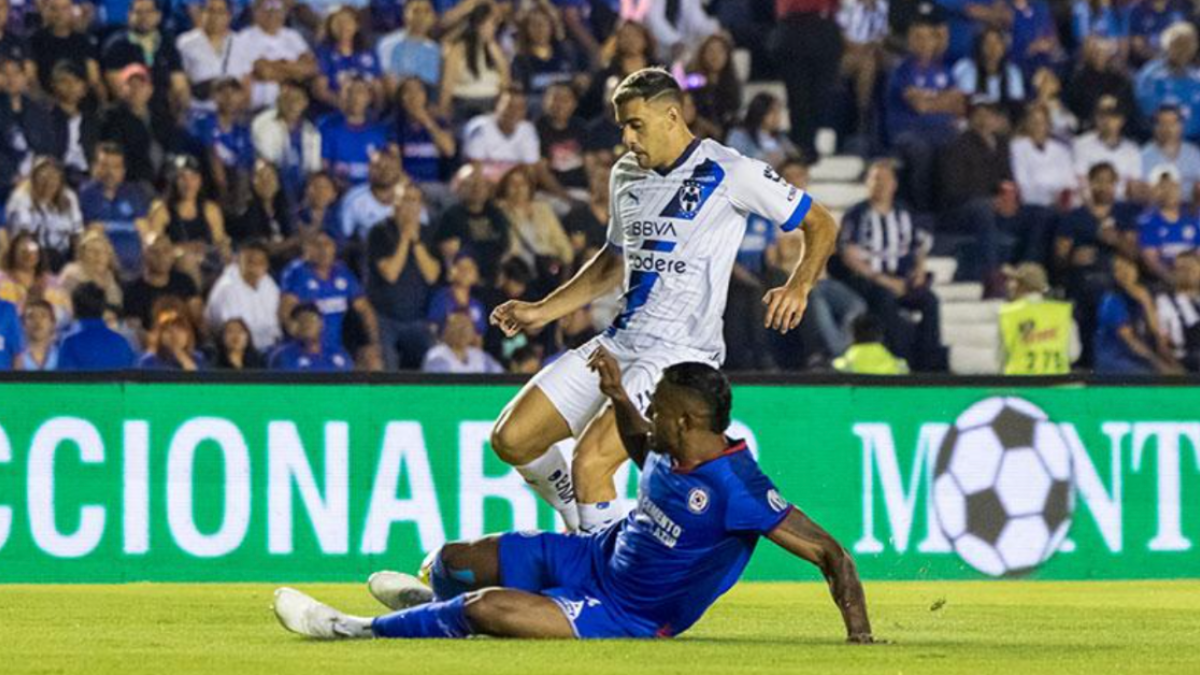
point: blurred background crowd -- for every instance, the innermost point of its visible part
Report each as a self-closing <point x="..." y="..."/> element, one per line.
<point x="319" y="185"/>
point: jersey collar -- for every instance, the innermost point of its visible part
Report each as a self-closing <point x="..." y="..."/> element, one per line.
<point x="687" y="154"/>
<point x="734" y="448"/>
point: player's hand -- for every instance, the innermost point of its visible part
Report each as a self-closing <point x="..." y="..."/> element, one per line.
<point x="605" y="365"/>
<point x="515" y="316"/>
<point x="785" y="308"/>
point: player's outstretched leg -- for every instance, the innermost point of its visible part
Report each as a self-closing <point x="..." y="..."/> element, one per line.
<point x="500" y="612"/>
<point x="598" y="455"/>
<point x="524" y="437"/>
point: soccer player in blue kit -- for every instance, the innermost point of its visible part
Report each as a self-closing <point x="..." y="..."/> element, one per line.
<point x="703" y="504"/>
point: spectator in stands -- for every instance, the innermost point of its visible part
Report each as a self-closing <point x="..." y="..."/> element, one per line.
<point x="247" y="293"/>
<point x="368" y="204"/>
<point x="1099" y="75"/>
<point x="1107" y="144"/>
<point x="175" y="345"/>
<point x="701" y="127"/>
<point x="760" y="134"/>
<point x="187" y="218"/>
<point x="225" y="138"/>
<point x="1166" y="230"/>
<point x="44" y="205"/>
<point x="160" y="279"/>
<point x="868" y="355"/>
<point x="629" y="49"/>
<point x="319" y="277"/>
<point x="458" y="352"/>
<point x="1035" y="43"/>
<point x="458" y="295"/>
<point x="343" y="55"/>
<point x="59" y="40"/>
<point x="144" y="44"/>
<point x="679" y="27"/>
<point x="426" y="140"/>
<point x="807" y="49"/>
<point x="92" y="345"/>
<point x="145" y="133"/>
<point x="13" y="43"/>
<point x="40" y="338"/>
<point x="269" y="53"/>
<point x="525" y="361"/>
<point x="1047" y="91"/>
<point x="309" y="350"/>
<point x="923" y="107"/>
<point x="990" y="73"/>
<point x="475" y="222"/>
<point x="1168" y="147"/>
<point x="1037" y="334"/>
<point x="537" y="236"/>
<point x="542" y="58"/>
<point x="503" y="139"/>
<point x="269" y="217"/>
<point x="11" y="335"/>
<point x="1101" y="20"/>
<point x="586" y="224"/>
<point x="350" y="137"/>
<point x="206" y="51"/>
<point x="25" y="276"/>
<point x="318" y="210"/>
<point x="284" y="136"/>
<point x="561" y="133"/>
<point x="410" y="52"/>
<point x="73" y="126"/>
<point x="401" y="272"/>
<point x="883" y="251"/>
<point x="1128" y="339"/>
<point x="117" y="207"/>
<point x="22" y="123"/>
<point x="1148" y="19"/>
<point x="236" y="349"/>
<point x="1042" y="166"/>
<point x="1086" y="241"/>
<point x="513" y="282"/>
<point x="864" y="25"/>
<point x="1179" y="312"/>
<point x="475" y="71"/>
<point x="1172" y="79"/>
<point x="716" y="89"/>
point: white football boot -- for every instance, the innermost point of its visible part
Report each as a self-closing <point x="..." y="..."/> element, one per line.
<point x="397" y="590"/>
<point x="303" y="615"/>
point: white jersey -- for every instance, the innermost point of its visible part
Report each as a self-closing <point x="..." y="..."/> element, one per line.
<point x="679" y="230"/>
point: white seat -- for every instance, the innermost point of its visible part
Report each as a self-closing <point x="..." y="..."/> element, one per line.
<point x="981" y="335"/>
<point x="963" y="291"/>
<point x="838" y="196"/>
<point x="958" y="313"/>
<point x="942" y="268"/>
<point x="741" y="64"/>
<point x="973" y="361"/>
<point x="837" y="169"/>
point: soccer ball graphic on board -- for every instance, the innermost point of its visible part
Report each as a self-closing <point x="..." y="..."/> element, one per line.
<point x="1003" y="486"/>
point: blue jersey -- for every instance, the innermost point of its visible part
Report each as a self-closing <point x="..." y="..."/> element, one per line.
<point x="333" y="295"/>
<point x="688" y="540"/>
<point x="347" y="148"/>
<point x="11" y="336"/>
<point x="292" y="356"/>
<point x="234" y="147"/>
<point x="1170" y="239"/>
<point x="336" y="67"/>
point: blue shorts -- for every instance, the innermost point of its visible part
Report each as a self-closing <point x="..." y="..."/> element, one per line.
<point x="562" y="568"/>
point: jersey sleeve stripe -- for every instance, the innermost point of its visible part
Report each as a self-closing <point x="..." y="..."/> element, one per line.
<point x="797" y="216"/>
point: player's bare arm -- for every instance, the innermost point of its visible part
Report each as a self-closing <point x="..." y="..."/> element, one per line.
<point x="802" y="537"/>
<point x="633" y="428"/>
<point x="598" y="276"/>
<point x="786" y="304"/>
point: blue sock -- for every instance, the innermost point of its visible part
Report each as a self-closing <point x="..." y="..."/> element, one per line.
<point x="446" y="619"/>
<point x="448" y="583"/>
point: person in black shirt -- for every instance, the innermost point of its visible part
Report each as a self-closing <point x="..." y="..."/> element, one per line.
<point x="401" y="271"/>
<point x="586" y="223"/>
<point x="144" y="44"/>
<point x="561" y="134"/>
<point x="22" y="123"/>
<point x="144" y="131"/>
<point x="12" y="46"/>
<point x="160" y="279"/>
<point x="57" y="40"/>
<point x="73" y="127"/>
<point x="475" y="223"/>
<point x="235" y="348"/>
<point x="269" y="216"/>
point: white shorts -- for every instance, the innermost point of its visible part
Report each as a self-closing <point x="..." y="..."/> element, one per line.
<point x="574" y="390"/>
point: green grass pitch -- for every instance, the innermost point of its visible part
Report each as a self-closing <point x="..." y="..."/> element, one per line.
<point x="1007" y="628"/>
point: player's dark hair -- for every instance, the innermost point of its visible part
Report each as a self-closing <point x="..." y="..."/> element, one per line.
<point x="867" y="328"/>
<point x="89" y="301"/>
<point x="709" y="385"/>
<point x="647" y="84"/>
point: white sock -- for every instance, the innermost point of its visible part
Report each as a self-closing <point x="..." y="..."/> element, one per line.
<point x="354" y="627"/>
<point x="596" y="517"/>
<point x="550" y="477"/>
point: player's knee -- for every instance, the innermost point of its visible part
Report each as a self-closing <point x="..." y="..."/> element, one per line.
<point x="450" y="574"/>
<point x="509" y="445"/>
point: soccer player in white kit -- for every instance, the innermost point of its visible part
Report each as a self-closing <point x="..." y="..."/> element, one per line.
<point x="677" y="214"/>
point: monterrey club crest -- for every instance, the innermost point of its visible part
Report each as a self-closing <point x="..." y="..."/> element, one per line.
<point x="689" y="196"/>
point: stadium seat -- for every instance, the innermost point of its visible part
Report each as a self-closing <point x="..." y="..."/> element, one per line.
<point x="741" y="64"/>
<point x="838" y="196"/>
<point x="973" y="361"/>
<point x="941" y="268"/>
<point x="962" y="291"/>
<point x="837" y="169"/>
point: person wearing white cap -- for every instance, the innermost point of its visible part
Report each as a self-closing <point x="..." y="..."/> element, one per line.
<point x="1167" y="230"/>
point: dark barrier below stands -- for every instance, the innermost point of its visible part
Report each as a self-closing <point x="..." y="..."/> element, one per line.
<point x="147" y="476"/>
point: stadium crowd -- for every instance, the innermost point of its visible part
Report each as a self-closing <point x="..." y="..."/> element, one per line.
<point x="354" y="184"/>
